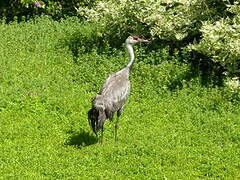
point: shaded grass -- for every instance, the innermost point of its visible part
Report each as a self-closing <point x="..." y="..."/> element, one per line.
<point x="172" y="128"/>
<point x="82" y="139"/>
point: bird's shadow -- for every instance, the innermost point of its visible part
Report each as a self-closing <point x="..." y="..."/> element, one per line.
<point x="81" y="139"/>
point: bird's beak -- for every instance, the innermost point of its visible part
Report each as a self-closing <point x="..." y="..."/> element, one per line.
<point x="143" y="40"/>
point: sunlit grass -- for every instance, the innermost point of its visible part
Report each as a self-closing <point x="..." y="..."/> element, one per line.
<point x="171" y="128"/>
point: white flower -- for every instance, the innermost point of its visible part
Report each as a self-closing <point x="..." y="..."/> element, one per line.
<point x="234" y="84"/>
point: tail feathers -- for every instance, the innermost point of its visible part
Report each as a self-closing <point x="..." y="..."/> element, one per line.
<point x="96" y="119"/>
<point x="92" y="119"/>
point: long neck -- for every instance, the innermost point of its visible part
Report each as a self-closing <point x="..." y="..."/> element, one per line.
<point x="131" y="54"/>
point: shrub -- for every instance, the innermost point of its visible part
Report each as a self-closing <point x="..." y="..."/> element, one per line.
<point x="170" y="20"/>
<point x="221" y="41"/>
<point x="29" y="8"/>
<point x="212" y="26"/>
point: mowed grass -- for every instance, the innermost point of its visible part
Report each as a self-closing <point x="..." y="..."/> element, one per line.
<point x="171" y="128"/>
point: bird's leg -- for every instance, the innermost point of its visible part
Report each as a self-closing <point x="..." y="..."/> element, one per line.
<point x="101" y="138"/>
<point x="117" y="123"/>
<point x="116" y="127"/>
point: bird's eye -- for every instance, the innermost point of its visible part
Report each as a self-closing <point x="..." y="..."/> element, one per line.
<point x="135" y="37"/>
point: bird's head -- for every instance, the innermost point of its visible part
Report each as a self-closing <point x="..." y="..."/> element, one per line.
<point x="133" y="39"/>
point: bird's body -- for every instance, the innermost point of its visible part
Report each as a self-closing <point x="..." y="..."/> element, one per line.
<point x="116" y="89"/>
<point x="114" y="93"/>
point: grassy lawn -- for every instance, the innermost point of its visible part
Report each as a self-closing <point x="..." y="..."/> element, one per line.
<point x="167" y="130"/>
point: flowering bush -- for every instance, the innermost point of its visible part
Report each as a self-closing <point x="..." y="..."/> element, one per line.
<point x="47" y="7"/>
<point x="233" y="84"/>
<point x="35" y="3"/>
<point x="213" y="26"/>
<point x="55" y="8"/>
<point x="221" y="41"/>
<point x="165" y="19"/>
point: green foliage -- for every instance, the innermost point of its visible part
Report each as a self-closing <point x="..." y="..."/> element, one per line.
<point x="171" y="20"/>
<point x="212" y="26"/>
<point x="30" y="8"/>
<point x="221" y="41"/>
<point x="172" y="128"/>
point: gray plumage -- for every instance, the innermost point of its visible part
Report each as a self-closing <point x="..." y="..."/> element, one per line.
<point x="113" y="94"/>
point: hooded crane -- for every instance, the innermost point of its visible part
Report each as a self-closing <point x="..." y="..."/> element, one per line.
<point x="113" y="94"/>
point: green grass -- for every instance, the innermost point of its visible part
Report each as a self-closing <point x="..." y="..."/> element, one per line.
<point x="172" y="127"/>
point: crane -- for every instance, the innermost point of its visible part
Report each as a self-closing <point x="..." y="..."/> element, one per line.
<point x="113" y="94"/>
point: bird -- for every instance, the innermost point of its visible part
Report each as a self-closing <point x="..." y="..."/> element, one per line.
<point x="113" y="94"/>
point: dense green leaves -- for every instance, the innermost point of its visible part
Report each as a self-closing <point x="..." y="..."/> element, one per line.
<point x="221" y="41"/>
<point x="212" y="26"/>
<point x="172" y="127"/>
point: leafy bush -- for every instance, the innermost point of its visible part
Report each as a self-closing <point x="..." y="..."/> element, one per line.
<point x="30" y="8"/>
<point x="212" y="26"/>
<point x="221" y="41"/>
<point x="171" y="20"/>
